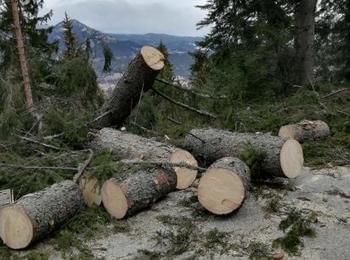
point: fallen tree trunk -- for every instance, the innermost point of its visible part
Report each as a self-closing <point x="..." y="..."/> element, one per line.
<point x="132" y="147"/>
<point x="282" y="158"/>
<point x="139" y="191"/>
<point x="305" y="130"/>
<point x="36" y="215"/>
<point x="138" y="78"/>
<point x="224" y="186"/>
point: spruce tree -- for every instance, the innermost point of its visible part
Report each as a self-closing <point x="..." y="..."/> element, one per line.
<point x="70" y="40"/>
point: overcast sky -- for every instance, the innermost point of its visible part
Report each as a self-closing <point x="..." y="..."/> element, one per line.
<point x="178" y="17"/>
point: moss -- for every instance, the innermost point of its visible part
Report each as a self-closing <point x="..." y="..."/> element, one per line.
<point x="214" y="238"/>
<point x="273" y="205"/>
<point x="188" y="202"/>
<point x="148" y="255"/>
<point x="295" y="226"/>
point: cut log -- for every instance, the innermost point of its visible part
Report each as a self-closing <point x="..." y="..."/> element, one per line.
<point x="224" y="186"/>
<point x="132" y="147"/>
<point x="36" y="215"/>
<point x="91" y="190"/>
<point x="139" y="191"/>
<point x="305" y="130"/>
<point x="283" y="158"/>
<point x="138" y="78"/>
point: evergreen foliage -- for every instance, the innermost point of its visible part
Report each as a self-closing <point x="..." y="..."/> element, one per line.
<point x="70" y="41"/>
<point x="108" y="55"/>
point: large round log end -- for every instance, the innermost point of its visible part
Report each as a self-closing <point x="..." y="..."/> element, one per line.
<point x="292" y="158"/>
<point x="114" y="199"/>
<point x="185" y="176"/>
<point x="153" y="57"/>
<point x="221" y="191"/>
<point x="16" y="227"/>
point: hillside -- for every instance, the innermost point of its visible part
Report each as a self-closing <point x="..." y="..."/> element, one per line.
<point x="125" y="46"/>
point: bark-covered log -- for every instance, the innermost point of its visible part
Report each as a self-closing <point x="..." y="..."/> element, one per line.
<point x="305" y="130"/>
<point x="283" y="158"/>
<point x="133" y="147"/>
<point x="35" y="215"/>
<point x="139" y="191"/>
<point x="138" y="78"/>
<point x="224" y="186"/>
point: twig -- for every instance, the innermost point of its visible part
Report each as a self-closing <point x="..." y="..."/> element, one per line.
<point x="37" y="142"/>
<point x="83" y="167"/>
<point x="335" y="92"/>
<point x="179" y="87"/>
<point x="174" y="121"/>
<point x="4" y="165"/>
<point x="200" y="112"/>
<point x="159" y="163"/>
<point x="50" y="137"/>
<point x="145" y="129"/>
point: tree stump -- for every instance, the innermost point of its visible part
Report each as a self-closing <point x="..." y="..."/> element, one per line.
<point x="36" y="215"/>
<point x="283" y="158"/>
<point x="133" y="147"/>
<point x="224" y="186"/>
<point x="305" y="130"/>
<point x="138" y="78"/>
<point x="138" y="191"/>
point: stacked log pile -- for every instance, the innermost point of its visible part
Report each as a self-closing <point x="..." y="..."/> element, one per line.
<point x="223" y="186"/>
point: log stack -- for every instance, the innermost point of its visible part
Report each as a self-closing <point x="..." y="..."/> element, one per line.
<point x="36" y="215"/>
<point x="305" y="130"/>
<point x="128" y="146"/>
<point x="283" y="158"/>
<point x="224" y="186"/>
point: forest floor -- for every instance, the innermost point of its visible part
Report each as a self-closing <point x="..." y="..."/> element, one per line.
<point x="314" y="211"/>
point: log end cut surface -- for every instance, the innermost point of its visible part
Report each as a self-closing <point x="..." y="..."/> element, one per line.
<point x="153" y="57"/>
<point x="185" y="176"/>
<point x="16" y="227"/>
<point x="91" y="191"/>
<point x="114" y="199"/>
<point x="292" y="158"/>
<point x="221" y="191"/>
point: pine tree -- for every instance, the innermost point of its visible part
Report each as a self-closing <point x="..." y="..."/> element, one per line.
<point x="70" y="40"/>
<point x="108" y="57"/>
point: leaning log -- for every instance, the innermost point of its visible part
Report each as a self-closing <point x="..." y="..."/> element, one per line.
<point x="138" y="191"/>
<point x="224" y="186"/>
<point x="305" y="130"/>
<point x="35" y="215"/>
<point x="132" y="147"/>
<point x="138" y="78"/>
<point x="282" y="158"/>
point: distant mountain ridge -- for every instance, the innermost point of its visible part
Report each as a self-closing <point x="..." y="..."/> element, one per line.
<point x="125" y="46"/>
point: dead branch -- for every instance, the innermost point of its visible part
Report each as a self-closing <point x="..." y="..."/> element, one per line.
<point x="174" y="121"/>
<point x="335" y="92"/>
<point x="4" y="165"/>
<point x="198" y="111"/>
<point x="40" y="143"/>
<point x="179" y="87"/>
<point x="83" y="167"/>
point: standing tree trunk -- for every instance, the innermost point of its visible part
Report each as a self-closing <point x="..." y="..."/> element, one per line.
<point x="22" y="57"/>
<point x="138" y="78"/>
<point x="304" y="41"/>
<point x="36" y="215"/>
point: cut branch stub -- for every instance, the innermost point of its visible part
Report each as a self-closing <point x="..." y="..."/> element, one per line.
<point x="305" y="130"/>
<point x="283" y="158"/>
<point x="36" y="215"/>
<point x="139" y="191"/>
<point x="138" y="78"/>
<point x="224" y="186"/>
<point x="132" y="147"/>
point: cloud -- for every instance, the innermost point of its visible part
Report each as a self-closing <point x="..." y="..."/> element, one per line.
<point x="132" y="16"/>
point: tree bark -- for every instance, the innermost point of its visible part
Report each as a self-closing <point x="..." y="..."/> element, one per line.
<point x="36" y="215"/>
<point x="138" y="78"/>
<point x="304" y="41"/>
<point x="283" y="158"/>
<point x="22" y="57"/>
<point x="139" y="191"/>
<point x="305" y="130"/>
<point x="132" y="147"/>
<point x="224" y="186"/>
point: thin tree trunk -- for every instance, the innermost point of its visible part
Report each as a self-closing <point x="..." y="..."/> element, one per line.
<point x="22" y="58"/>
<point x="304" y="41"/>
